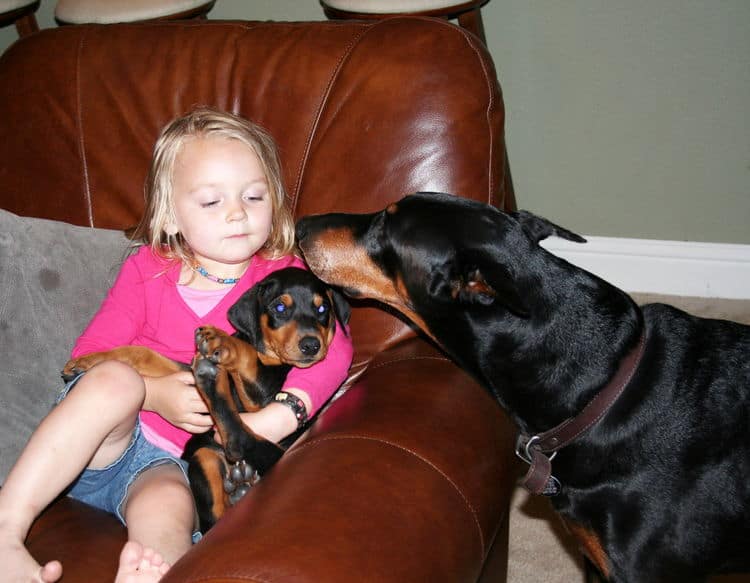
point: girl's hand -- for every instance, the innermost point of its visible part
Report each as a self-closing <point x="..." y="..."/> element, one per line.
<point x="175" y="398"/>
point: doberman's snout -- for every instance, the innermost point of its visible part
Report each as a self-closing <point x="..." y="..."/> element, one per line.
<point x="309" y="345"/>
<point x="301" y="229"/>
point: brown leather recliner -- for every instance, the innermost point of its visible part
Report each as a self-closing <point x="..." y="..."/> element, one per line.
<point x="405" y="478"/>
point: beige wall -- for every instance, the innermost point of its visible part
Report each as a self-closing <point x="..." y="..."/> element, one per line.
<point x="625" y="119"/>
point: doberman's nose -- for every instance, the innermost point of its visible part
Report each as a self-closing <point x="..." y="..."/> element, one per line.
<point x="309" y="345"/>
<point x="301" y="229"/>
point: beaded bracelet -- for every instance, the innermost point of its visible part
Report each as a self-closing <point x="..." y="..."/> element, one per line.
<point x="295" y="404"/>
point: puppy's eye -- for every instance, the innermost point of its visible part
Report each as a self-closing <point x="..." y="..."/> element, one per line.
<point x="280" y="308"/>
<point x="322" y="309"/>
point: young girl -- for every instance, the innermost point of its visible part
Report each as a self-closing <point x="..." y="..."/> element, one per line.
<point x="215" y="224"/>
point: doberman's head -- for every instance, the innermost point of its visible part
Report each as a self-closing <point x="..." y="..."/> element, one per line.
<point x="290" y="316"/>
<point x="428" y="255"/>
<point x="473" y="278"/>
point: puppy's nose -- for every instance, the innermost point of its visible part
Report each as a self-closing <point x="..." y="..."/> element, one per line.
<point x="309" y="345"/>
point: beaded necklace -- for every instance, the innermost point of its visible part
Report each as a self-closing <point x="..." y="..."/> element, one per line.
<point x="202" y="271"/>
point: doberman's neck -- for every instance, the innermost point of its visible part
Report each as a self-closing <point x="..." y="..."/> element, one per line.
<point x="545" y="369"/>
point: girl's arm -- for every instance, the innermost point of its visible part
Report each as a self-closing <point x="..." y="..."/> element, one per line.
<point x="314" y="385"/>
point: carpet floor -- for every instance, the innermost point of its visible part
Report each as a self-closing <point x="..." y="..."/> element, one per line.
<point x="540" y="549"/>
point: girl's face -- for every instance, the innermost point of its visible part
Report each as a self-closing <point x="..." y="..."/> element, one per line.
<point x="221" y="203"/>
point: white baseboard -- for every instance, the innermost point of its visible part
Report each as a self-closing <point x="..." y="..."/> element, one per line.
<point x="678" y="268"/>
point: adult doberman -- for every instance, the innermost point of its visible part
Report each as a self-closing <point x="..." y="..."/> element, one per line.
<point x="646" y="412"/>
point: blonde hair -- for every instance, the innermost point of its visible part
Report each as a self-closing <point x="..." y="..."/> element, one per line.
<point x="204" y="123"/>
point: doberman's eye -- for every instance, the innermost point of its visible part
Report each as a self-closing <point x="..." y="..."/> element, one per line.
<point x="280" y="308"/>
<point x="322" y="309"/>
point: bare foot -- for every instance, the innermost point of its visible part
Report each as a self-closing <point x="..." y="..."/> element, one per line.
<point x="19" y="565"/>
<point x="140" y="565"/>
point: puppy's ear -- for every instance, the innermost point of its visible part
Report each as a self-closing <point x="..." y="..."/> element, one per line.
<point x="341" y="309"/>
<point x="244" y="315"/>
<point x="538" y="228"/>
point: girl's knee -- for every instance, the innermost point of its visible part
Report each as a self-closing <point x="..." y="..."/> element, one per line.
<point x="113" y="382"/>
<point x="164" y="485"/>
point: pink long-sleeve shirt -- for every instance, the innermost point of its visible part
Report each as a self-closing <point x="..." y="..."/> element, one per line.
<point x="144" y="308"/>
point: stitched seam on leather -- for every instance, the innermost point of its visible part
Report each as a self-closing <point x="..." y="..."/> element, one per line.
<point x="406" y="359"/>
<point x="490" y="106"/>
<point x="81" y="142"/>
<point x="471" y="508"/>
<point x="226" y="578"/>
<point x="321" y="108"/>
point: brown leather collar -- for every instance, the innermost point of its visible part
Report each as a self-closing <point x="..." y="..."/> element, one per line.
<point x="539" y="450"/>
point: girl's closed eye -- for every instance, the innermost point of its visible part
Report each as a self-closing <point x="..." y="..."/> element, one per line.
<point x="255" y="196"/>
<point x="206" y="197"/>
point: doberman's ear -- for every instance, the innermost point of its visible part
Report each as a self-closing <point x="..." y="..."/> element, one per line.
<point x="538" y="228"/>
<point x="245" y="314"/>
<point x="341" y="309"/>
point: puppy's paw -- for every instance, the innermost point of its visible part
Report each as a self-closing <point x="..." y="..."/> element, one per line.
<point x="214" y="344"/>
<point x="222" y="348"/>
<point x="76" y="366"/>
<point x="204" y="370"/>
<point x="240" y="478"/>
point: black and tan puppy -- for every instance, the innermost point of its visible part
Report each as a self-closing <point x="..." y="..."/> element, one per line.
<point x="646" y="412"/>
<point x="286" y="320"/>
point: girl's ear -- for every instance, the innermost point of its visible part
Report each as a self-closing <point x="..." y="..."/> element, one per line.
<point x="171" y="229"/>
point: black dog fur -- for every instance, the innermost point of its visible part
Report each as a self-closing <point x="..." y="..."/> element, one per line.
<point x="659" y="489"/>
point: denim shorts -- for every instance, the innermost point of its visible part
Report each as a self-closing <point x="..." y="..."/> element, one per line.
<point x="107" y="488"/>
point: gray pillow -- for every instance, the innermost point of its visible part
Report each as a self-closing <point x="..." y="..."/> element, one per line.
<point x="53" y="277"/>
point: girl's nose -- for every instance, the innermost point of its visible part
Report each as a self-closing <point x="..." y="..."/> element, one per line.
<point x="236" y="211"/>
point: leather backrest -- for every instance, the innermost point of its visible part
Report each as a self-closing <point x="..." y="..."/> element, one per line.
<point x="363" y="113"/>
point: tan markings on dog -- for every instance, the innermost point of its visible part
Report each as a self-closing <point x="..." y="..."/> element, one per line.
<point x="338" y="260"/>
<point x="211" y="462"/>
<point x="248" y="404"/>
<point x="287" y="300"/>
<point x="331" y="330"/>
<point x="478" y="284"/>
<point x="590" y="545"/>
<point x="283" y="344"/>
<point x="147" y="362"/>
<point x="392" y="208"/>
<point x="475" y="285"/>
<point x="406" y="310"/>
